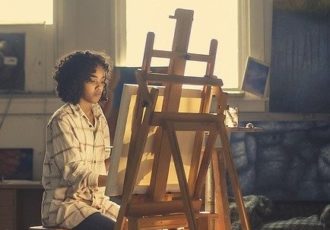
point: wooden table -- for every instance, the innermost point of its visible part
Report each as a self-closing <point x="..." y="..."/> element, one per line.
<point x="20" y="204"/>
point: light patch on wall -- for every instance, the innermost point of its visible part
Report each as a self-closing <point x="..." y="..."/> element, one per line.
<point x="26" y="12"/>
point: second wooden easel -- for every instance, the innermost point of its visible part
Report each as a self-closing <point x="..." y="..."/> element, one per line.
<point x="156" y="209"/>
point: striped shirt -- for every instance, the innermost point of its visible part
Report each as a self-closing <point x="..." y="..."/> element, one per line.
<point x="75" y="154"/>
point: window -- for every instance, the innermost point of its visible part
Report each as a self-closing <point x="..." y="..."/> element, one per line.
<point x="26" y="12"/>
<point x="216" y="19"/>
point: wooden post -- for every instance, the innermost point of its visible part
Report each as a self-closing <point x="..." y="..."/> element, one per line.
<point x="171" y="101"/>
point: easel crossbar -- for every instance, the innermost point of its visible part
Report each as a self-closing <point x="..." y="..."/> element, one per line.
<point x="182" y="55"/>
<point x="188" y="80"/>
<point x="187" y="121"/>
<point x="160" y="208"/>
<point x="174" y="221"/>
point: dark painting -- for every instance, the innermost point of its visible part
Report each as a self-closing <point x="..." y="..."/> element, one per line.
<point x="12" y="54"/>
<point x="16" y="163"/>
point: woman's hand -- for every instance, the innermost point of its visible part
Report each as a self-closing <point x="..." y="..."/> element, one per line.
<point x="102" y="180"/>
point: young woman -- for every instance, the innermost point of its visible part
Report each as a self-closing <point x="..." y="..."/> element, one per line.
<point x="78" y="148"/>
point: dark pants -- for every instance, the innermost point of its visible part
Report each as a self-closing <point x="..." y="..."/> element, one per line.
<point x="96" y="221"/>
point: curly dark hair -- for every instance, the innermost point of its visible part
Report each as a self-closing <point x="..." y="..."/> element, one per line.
<point x="74" y="69"/>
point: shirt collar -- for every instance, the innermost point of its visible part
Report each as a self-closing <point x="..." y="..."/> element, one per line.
<point x="76" y="109"/>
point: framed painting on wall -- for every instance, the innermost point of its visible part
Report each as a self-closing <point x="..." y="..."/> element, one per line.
<point x="255" y="77"/>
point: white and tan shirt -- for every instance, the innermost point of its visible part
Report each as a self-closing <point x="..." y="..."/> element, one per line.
<point x="75" y="155"/>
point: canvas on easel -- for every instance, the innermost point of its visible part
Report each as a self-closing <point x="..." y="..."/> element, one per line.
<point x="190" y="101"/>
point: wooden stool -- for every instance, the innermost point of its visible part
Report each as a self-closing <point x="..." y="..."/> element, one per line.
<point x="43" y="228"/>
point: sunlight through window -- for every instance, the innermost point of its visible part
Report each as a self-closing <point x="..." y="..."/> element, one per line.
<point x="26" y="12"/>
<point x="216" y="19"/>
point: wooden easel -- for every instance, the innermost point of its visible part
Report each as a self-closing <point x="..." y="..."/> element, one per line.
<point x="156" y="209"/>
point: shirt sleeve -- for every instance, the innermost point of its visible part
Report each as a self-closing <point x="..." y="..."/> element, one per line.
<point x="107" y="147"/>
<point x="69" y="158"/>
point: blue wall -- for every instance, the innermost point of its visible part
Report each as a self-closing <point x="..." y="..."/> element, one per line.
<point x="300" y="73"/>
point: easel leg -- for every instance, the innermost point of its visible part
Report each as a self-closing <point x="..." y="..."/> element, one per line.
<point x="220" y="192"/>
<point x="133" y="224"/>
<point x="133" y="164"/>
<point x="234" y="179"/>
<point x="204" y="166"/>
<point x="134" y="159"/>
<point x="181" y="175"/>
<point x="204" y="222"/>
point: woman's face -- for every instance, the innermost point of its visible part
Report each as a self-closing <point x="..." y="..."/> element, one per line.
<point x="94" y="87"/>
